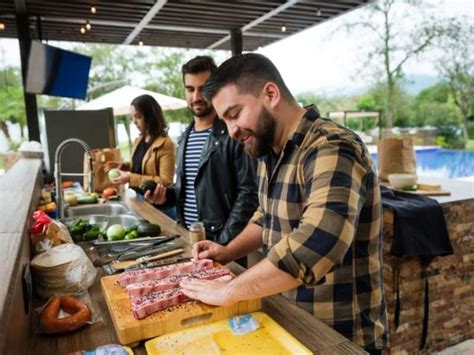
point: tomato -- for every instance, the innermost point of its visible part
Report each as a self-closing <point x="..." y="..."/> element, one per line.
<point x="110" y="191"/>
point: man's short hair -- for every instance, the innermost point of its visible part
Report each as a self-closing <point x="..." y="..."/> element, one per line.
<point x="249" y="72"/>
<point x="199" y="64"/>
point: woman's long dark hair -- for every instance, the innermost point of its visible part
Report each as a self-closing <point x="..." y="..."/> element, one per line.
<point x="150" y="109"/>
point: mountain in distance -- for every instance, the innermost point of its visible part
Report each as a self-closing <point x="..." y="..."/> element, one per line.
<point x="412" y="83"/>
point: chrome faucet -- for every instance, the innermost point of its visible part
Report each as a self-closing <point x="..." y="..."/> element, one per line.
<point x="58" y="173"/>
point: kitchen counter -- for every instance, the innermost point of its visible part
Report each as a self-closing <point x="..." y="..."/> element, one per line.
<point x="451" y="289"/>
<point x="17" y="332"/>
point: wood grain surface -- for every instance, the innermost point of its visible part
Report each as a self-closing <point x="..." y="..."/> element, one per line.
<point x="179" y="317"/>
<point x="19" y="191"/>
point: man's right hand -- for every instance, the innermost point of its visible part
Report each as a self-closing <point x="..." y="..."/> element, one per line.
<point x="206" y="249"/>
<point x="158" y="197"/>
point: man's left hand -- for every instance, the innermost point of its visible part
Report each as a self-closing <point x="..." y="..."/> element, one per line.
<point x="213" y="292"/>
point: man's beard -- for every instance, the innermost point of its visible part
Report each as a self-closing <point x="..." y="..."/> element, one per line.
<point x="202" y="113"/>
<point x="263" y="136"/>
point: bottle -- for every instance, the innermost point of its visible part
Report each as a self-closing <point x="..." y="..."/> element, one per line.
<point x="196" y="232"/>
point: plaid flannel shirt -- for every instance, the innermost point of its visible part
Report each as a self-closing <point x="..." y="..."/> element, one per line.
<point x="321" y="214"/>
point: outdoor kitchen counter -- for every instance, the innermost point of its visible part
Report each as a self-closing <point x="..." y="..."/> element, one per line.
<point x="451" y="290"/>
<point x="451" y="287"/>
<point x="310" y="331"/>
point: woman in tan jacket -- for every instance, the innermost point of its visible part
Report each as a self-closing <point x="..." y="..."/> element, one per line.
<point x="153" y="152"/>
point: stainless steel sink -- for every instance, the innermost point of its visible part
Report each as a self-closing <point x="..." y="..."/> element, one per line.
<point x="108" y="209"/>
<point x="126" y="220"/>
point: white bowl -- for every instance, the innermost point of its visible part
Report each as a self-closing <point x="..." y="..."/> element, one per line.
<point x="400" y="181"/>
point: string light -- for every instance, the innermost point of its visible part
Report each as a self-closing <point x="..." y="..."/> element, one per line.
<point x="88" y="26"/>
<point x="283" y="28"/>
<point x="2" y="26"/>
<point x="93" y="9"/>
<point x="83" y="30"/>
<point x="140" y="43"/>
<point x="318" y="13"/>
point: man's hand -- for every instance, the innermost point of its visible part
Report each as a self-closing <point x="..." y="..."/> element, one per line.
<point x="112" y="165"/>
<point x="122" y="179"/>
<point x="213" y="292"/>
<point x="159" y="195"/>
<point x="206" y="249"/>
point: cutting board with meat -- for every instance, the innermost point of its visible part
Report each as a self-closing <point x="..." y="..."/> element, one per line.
<point x="148" y="303"/>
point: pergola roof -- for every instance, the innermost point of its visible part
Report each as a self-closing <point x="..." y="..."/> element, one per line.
<point x="174" y="23"/>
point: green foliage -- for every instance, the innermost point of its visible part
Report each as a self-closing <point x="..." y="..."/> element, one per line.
<point x="182" y="115"/>
<point x="451" y="137"/>
<point x="470" y="130"/>
<point x="12" y="106"/>
<point x="470" y="144"/>
<point x="434" y="106"/>
<point x="168" y="80"/>
<point x="392" y="45"/>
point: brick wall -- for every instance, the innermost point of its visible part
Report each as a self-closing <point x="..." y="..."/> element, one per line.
<point x="451" y="283"/>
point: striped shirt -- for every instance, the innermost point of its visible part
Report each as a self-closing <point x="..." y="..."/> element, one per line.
<point x="321" y="215"/>
<point x="192" y="157"/>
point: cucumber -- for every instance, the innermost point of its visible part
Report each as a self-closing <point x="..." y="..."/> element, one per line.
<point x="87" y="199"/>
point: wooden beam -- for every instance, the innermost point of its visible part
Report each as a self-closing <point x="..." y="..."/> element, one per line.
<point x="256" y="21"/>
<point x="145" y="20"/>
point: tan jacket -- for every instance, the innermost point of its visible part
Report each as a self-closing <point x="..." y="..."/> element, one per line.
<point x="158" y="162"/>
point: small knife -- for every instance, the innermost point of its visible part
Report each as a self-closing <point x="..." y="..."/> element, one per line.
<point x="160" y="249"/>
<point x="133" y="253"/>
<point x="157" y="263"/>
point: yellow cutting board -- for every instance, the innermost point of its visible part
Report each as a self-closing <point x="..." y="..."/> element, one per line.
<point x="217" y="338"/>
<point x="185" y="315"/>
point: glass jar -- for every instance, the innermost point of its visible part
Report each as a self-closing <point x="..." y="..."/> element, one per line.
<point x="196" y="232"/>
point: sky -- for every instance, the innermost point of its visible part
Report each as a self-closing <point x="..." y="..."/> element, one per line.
<point x="324" y="59"/>
<point x="328" y="58"/>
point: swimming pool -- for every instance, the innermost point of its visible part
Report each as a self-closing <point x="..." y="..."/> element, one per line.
<point x="443" y="163"/>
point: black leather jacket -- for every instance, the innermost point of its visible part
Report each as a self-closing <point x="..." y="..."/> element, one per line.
<point x="225" y="185"/>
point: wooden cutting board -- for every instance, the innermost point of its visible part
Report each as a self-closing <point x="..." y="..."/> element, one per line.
<point x="185" y="315"/>
<point x="424" y="189"/>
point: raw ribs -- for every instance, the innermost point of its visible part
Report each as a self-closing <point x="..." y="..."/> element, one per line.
<point x="144" y="288"/>
<point x="136" y="276"/>
<point x="152" y="290"/>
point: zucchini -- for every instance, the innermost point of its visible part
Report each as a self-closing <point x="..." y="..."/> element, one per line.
<point x="86" y="199"/>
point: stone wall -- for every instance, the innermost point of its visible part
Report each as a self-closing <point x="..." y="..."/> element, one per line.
<point x="451" y="284"/>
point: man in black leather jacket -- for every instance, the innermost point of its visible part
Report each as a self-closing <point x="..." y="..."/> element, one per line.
<point x="216" y="179"/>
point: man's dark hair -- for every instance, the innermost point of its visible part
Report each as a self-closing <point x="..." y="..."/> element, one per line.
<point x="199" y="64"/>
<point x="150" y="109"/>
<point x="249" y="72"/>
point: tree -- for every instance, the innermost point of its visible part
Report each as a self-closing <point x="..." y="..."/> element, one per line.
<point x="456" y="66"/>
<point x="396" y="42"/>
<point x="12" y="106"/>
<point x="434" y="106"/>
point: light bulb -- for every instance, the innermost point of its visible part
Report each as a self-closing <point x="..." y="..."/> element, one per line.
<point x="83" y="30"/>
<point x="283" y="28"/>
<point x="93" y="9"/>
<point x="88" y="26"/>
<point x="140" y="43"/>
<point x="2" y="26"/>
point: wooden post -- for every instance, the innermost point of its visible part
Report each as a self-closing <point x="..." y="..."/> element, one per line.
<point x="236" y="41"/>
<point x="24" y="40"/>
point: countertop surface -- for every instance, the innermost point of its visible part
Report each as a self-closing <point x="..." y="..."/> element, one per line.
<point x="309" y="330"/>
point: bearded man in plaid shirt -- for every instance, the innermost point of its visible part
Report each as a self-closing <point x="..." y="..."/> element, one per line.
<point x="320" y="216"/>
